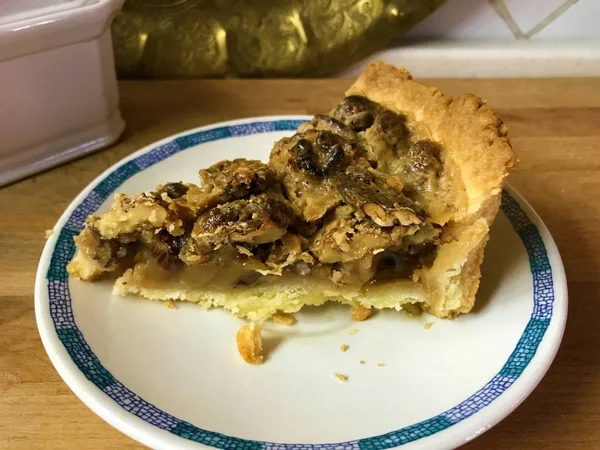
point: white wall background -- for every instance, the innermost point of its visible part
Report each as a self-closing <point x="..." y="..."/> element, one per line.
<point x="511" y="19"/>
<point x="499" y="39"/>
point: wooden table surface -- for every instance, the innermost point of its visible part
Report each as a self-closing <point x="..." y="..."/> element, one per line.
<point x="555" y="129"/>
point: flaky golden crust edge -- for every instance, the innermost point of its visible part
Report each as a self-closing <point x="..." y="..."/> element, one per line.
<point x="452" y="281"/>
<point x="473" y="137"/>
<point x="477" y="149"/>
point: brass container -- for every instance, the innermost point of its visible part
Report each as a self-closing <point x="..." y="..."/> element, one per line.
<point x="260" y="38"/>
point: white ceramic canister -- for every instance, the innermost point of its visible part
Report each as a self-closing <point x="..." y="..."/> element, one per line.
<point x="58" y="90"/>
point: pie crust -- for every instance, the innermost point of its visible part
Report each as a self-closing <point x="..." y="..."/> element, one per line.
<point x="384" y="202"/>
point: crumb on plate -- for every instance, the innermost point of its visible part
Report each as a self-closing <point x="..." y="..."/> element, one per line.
<point x="353" y="331"/>
<point x="284" y="319"/>
<point x="360" y="313"/>
<point x="344" y="348"/>
<point x="249" y="343"/>
<point x="170" y="304"/>
<point x="340" y="376"/>
<point x="380" y="365"/>
<point x="428" y="325"/>
<point x="361" y="361"/>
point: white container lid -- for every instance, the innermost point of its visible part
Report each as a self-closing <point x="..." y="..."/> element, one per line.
<point x="59" y="96"/>
<point x="32" y="26"/>
<point x="17" y="10"/>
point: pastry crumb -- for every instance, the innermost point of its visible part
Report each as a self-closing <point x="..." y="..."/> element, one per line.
<point x="340" y="376"/>
<point x="353" y="331"/>
<point x="428" y="325"/>
<point x="249" y="343"/>
<point x="360" y="313"/>
<point x="344" y="348"/>
<point x="380" y="365"/>
<point x="284" y="319"/>
<point x="361" y="361"/>
<point x="170" y="304"/>
<point x="48" y="233"/>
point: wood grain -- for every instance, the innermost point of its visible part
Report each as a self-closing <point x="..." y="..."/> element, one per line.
<point x="554" y="125"/>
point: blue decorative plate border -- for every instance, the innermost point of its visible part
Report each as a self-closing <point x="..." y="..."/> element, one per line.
<point x="82" y="355"/>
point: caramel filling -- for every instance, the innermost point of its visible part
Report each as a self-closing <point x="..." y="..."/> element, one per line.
<point x="345" y="199"/>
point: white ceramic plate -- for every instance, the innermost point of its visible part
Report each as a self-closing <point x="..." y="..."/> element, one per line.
<point x="173" y="378"/>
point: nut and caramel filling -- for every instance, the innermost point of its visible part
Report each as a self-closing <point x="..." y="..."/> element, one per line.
<point x="345" y="198"/>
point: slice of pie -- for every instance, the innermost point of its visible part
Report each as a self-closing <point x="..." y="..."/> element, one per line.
<point x="383" y="202"/>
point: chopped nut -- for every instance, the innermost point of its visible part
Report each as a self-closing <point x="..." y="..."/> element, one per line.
<point x="360" y="313"/>
<point x="340" y="376"/>
<point x="284" y="319"/>
<point x="380" y="365"/>
<point x="336" y="276"/>
<point x="375" y="212"/>
<point x="344" y="348"/>
<point x="244" y="250"/>
<point x="170" y="304"/>
<point x="428" y="325"/>
<point x="353" y="331"/>
<point x="249" y="343"/>
<point x="48" y="233"/>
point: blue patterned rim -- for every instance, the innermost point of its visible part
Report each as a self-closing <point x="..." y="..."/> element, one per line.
<point x="88" y="363"/>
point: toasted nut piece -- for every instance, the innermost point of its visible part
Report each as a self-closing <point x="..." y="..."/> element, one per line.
<point x="375" y="212"/>
<point x="336" y="276"/>
<point x="284" y="319"/>
<point x="360" y="313"/>
<point x="390" y="217"/>
<point x="249" y="343"/>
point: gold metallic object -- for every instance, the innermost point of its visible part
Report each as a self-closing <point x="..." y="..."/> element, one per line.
<point x="260" y="38"/>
